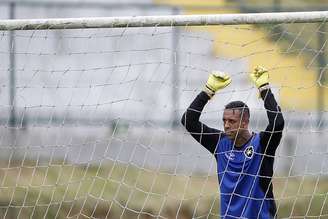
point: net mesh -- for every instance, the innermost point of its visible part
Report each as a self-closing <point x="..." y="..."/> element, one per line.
<point x="90" y="118"/>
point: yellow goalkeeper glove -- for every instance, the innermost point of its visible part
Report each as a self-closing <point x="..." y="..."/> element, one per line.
<point x="217" y="80"/>
<point x="260" y="76"/>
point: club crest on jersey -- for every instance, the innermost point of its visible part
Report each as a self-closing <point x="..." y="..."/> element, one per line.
<point x="249" y="152"/>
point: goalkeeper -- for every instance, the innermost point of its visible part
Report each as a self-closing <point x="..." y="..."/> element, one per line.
<point x="244" y="159"/>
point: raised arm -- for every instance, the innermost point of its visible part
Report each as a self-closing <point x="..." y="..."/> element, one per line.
<point x="206" y="136"/>
<point x="270" y="138"/>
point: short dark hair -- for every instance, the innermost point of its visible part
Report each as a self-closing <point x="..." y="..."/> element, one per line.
<point x="240" y="106"/>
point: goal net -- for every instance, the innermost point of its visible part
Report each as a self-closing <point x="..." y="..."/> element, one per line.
<point x="90" y="118"/>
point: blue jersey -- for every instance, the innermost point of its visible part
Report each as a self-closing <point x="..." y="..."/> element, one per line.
<point x="239" y="179"/>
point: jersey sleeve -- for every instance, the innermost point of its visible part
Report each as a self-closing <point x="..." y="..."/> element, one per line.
<point x="270" y="138"/>
<point x="206" y="136"/>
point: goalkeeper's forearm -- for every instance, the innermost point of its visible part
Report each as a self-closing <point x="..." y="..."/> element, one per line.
<point x="276" y="120"/>
<point x="190" y="118"/>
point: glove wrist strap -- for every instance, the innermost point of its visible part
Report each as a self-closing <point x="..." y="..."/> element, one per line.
<point x="264" y="87"/>
<point x="209" y="91"/>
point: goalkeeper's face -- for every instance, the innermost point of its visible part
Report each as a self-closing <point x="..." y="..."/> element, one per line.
<point x="235" y="123"/>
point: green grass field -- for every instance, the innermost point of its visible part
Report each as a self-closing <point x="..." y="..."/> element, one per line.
<point x="62" y="190"/>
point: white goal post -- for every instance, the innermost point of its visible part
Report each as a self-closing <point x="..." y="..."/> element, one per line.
<point x="164" y="21"/>
<point x="90" y="112"/>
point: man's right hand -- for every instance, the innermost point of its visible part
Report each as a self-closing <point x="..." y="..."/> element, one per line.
<point x="217" y="80"/>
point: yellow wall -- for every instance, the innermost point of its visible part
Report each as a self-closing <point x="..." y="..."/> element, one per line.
<point x="193" y="2"/>
<point x="299" y="88"/>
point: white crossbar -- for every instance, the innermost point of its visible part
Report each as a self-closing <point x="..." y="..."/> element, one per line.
<point x="160" y="21"/>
